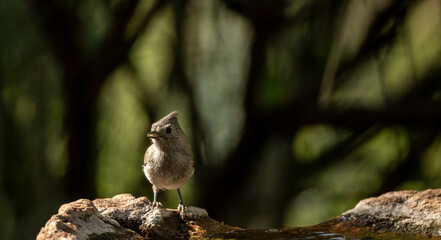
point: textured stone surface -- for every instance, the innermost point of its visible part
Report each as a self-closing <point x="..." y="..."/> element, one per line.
<point x="125" y="209"/>
<point x="394" y="215"/>
<point x="416" y="212"/>
<point x="127" y="217"/>
<point x="81" y="220"/>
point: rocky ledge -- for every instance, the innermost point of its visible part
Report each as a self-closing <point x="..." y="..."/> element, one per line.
<point x="126" y="217"/>
<point x="408" y="211"/>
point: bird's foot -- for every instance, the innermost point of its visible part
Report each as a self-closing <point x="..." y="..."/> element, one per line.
<point x="181" y="209"/>
<point x="157" y="205"/>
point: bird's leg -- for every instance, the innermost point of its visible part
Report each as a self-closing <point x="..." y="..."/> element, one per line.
<point x="180" y="197"/>
<point x="181" y="207"/>
<point x="155" y="203"/>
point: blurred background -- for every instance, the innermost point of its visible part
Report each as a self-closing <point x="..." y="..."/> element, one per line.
<point x="295" y="109"/>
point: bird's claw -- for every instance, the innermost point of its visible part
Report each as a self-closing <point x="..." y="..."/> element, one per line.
<point x="157" y="205"/>
<point x="181" y="209"/>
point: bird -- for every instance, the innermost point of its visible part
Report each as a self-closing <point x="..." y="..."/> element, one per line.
<point x="169" y="160"/>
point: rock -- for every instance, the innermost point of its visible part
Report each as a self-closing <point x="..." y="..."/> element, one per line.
<point x="127" y="217"/>
<point x="393" y="215"/>
<point x="81" y="220"/>
<point x="412" y="212"/>
<point x="125" y="209"/>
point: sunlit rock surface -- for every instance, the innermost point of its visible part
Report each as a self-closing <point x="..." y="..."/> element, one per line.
<point x="417" y="212"/>
<point x="401" y="214"/>
<point x="127" y="217"/>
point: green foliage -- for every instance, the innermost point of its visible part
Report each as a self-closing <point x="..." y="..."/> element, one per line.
<point x="311" y="142"/>
<point x="121" y="143"/>
<point x="295" y="110"/>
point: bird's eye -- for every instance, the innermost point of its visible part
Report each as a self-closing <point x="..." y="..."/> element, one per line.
<point x="168" y="130"/>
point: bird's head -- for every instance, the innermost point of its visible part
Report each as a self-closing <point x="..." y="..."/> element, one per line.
<point x="166" y="130"/>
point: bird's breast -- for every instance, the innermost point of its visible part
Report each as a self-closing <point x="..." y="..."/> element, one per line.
<point x="167" y="170"/>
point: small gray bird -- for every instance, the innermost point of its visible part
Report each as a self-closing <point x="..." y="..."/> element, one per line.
<point x="168" y="162"/>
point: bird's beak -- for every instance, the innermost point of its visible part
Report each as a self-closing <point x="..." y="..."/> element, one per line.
<point x="153" y="134"/>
